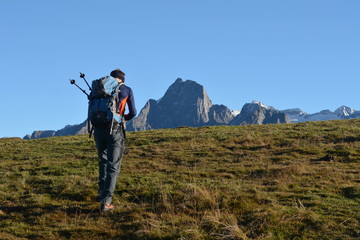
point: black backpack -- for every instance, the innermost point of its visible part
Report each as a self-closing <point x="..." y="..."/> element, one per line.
<point x="104" y="103"/>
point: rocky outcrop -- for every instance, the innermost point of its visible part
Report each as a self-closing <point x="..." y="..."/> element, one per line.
<point x="343" y="112"/>
<point x="258" y="113"/>
<point x="220" y="114"/>
<point x="40" y="134"/>
<point x="185" y="103"/>
<point x="76" y="129"/>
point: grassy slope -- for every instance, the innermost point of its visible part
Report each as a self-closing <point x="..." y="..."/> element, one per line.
<point x="226" y="182"/>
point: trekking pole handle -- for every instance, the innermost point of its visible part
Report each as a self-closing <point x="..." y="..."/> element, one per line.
<point x="72" y="81"/>
<point x="82" y="75"/>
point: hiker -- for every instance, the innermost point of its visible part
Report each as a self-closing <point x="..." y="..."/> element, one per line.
<point x="110" y="143"/>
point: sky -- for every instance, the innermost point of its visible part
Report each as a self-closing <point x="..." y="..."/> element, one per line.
<point x="286" y="54"/>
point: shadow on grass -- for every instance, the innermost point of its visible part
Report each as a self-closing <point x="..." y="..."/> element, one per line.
<point x="347" y="140"/>
<point x="30" y="213"/>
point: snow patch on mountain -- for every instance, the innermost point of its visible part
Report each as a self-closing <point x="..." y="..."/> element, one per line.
<point x="260" y="104"/>
<point x="235" y="112"/>
<point x="297" y="115"/>
<point x="344" y="111"/>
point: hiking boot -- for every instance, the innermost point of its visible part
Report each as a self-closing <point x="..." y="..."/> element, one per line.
<point x="107" y="207"/>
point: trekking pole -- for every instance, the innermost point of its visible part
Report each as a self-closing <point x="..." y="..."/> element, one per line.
<point x="72" y="81"/>
<point x="83" y="77"/>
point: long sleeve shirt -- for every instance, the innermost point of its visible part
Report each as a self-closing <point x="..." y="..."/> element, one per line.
<point x="126" y="97"/>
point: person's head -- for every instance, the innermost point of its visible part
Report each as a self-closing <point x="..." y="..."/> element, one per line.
<point x="118" y="75"/>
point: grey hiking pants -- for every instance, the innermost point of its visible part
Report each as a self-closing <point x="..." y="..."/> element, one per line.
<point x="110" y="151"/>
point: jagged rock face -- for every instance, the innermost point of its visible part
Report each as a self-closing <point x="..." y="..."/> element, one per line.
<point x="356" y="114"/>
<point x="77" y="129"/>
<point x="185" y="103"/>
<point x="40" y="134"/>
<point x="220" y="114"/>
<point x="146" y="116"/>
<point x="343" y="112"/>
<point x="257" y="113"/>
<point x="66" y="131"/>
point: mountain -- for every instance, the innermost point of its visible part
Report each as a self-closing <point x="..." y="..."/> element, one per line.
<point x="40" y="134"/>
<point x="68" y="130"/>
<point x="185" y="103"/>
<point x="258" y="113"/>
<point x="346" y="112"/>
<point x="343" y="112"/>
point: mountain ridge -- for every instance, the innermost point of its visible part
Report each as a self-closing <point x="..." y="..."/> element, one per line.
<point x="186" y="103"/>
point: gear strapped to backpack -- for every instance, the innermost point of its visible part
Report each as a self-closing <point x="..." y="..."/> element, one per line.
<point x="104" y="104"/>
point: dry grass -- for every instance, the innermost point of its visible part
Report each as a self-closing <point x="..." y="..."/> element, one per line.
<point x="287" y="181"/>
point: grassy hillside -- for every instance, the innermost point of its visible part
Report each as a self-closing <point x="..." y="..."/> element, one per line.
<point x="287" y="181"/>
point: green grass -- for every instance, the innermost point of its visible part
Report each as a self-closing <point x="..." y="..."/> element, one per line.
<point x="224" y="182"/>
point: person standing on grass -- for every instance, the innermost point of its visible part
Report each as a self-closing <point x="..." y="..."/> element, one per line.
<point x="110" y="144"/>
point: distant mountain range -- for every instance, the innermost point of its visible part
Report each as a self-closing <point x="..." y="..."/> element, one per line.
<point x="186" y="103"/>
<point x="76" y="129"/>
<point x="343" y="112"/>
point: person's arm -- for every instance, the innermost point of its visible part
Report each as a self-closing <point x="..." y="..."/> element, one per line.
<point x="131" y="104"/>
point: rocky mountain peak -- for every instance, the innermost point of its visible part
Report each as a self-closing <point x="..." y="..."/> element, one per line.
<point x="258" y="113"/>
<point x="184" y="92"/>
<point x="185" y="103"/>
<point x="259" y="104"/>
<point x="178" y="80"/>
<point x="76" y="129"/>
<point x="344" y="111"/>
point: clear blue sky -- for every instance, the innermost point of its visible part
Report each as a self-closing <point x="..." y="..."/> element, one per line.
<point x="286" y="54"/>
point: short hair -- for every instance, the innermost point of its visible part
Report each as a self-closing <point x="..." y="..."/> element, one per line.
<point x="117" y="73"/>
